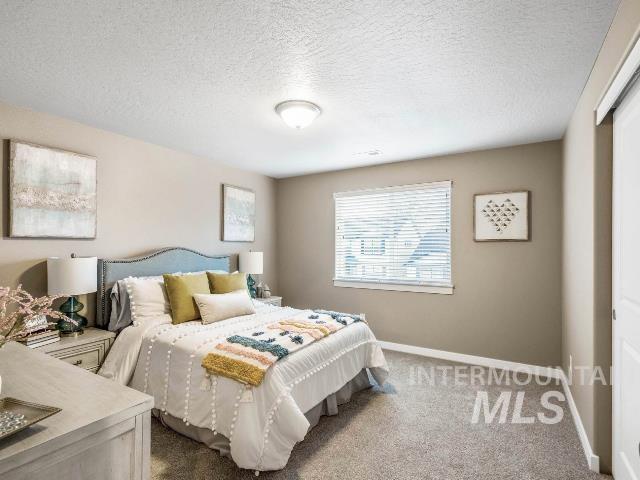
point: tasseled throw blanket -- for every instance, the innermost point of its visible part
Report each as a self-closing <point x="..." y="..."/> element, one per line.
<point x="245" y="357"/>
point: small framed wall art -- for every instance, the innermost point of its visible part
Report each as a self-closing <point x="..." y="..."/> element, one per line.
<point x="502" y="216"/>
<point x="52" y="193"/>
<point x="238" y="214"/>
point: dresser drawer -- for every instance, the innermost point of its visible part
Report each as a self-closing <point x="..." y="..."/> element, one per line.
<point x="87" y="350"/>
<point x="88" y="356"/>
<point x="89" y="359"/>
<point x="277" y="301"/>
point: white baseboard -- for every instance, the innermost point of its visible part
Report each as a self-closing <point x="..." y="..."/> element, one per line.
<point x="592" y="459"/>
<point x="550" y="372"/>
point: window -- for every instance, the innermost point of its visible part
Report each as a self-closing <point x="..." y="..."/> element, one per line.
<point x="372" y="246"/>
<point x="396" y="238"/>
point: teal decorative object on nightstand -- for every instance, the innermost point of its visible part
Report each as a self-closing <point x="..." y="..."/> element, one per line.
<point x="251" y="285"/>
<point x="71" y="309"/>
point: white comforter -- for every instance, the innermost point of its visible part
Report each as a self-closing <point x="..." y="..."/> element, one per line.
<point x="262" y="423"/>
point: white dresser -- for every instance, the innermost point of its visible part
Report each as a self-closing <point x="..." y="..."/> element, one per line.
<point x="102" y="432"/>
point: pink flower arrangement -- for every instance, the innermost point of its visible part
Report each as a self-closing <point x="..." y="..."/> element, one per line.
<point x="18" y="307"/>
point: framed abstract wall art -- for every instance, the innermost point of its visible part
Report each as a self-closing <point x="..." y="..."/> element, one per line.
<point x="238" y="214"/>
<point x="52" y="193"/>
<point x="502" y="216"/>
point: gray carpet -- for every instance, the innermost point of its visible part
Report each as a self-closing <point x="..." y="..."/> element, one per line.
<point x="409" y="430"/>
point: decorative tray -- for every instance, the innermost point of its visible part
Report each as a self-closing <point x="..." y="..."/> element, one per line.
<point x="16" y="415"/>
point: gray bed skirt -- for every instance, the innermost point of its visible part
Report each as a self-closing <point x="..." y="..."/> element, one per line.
<point x="329" y="406"/>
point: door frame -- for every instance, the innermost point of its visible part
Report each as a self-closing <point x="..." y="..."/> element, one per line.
<point x="622" y="82"/>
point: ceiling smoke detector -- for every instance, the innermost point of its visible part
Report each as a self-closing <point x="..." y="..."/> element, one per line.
<point x="370" y="153"/>
<point x="298" y="113"/>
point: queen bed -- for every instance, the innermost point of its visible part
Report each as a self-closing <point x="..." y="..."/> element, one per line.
<point x="257" y="426"/>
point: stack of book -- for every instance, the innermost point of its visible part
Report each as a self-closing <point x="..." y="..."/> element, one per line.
<point x="43" y="337"/>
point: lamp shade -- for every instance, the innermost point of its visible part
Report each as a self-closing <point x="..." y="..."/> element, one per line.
<point x="72" y="275"/>
<point x="251" y="263"/>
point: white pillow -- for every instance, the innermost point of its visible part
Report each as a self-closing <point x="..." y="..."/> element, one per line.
<point x="148" y="297"/>
<point x="220" y="306"/>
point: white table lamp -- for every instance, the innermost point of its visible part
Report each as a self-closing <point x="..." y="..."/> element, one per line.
<point x="72" y="276"/>
<point x="251" y="264"/>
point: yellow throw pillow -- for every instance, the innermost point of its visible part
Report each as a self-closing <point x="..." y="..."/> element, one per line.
<point x="180" y="290"/>
<point x="227" y="282"/>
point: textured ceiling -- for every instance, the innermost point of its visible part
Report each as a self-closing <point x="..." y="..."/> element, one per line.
<point x="407" y="78"/>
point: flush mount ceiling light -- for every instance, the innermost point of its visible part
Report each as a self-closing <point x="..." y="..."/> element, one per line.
<point x="298" y="113"/>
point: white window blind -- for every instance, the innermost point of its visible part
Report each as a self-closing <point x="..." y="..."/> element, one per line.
<point x="394" y="236"/>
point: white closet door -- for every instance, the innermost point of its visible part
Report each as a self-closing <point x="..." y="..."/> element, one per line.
<point x="626" y="288"/>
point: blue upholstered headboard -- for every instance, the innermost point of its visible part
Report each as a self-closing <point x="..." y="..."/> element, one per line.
<point x="168" y="260"/>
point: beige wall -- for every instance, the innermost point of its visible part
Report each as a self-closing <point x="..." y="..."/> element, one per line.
<point x="148" y="197"/>
<point x="587" y="154"/>
<point x="506" y="303"/>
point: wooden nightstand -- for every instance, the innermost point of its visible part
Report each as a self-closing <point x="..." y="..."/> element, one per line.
<point x="272" y="300"/>
<point x="86" y="351"/>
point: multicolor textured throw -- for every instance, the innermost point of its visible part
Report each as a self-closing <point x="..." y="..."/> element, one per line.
<point x="247" y="356"/>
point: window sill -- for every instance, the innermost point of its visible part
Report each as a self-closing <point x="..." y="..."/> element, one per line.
<point x="438" y="289"/>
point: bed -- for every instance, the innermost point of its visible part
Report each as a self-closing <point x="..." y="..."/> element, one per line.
<point x="257" y="426"/>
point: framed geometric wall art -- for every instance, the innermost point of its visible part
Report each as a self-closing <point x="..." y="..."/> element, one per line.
<point x="52" y="193"/>
<point x="238" y="214"/>
<point x="502" y="216"/>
